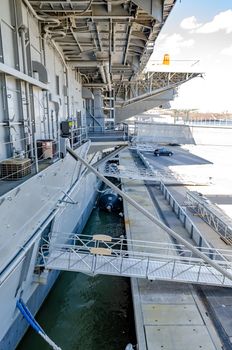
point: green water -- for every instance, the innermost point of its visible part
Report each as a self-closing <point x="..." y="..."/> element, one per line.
<point x="87" y="313"/>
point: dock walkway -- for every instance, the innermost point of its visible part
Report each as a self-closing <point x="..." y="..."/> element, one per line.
<point x="167" y="316"/>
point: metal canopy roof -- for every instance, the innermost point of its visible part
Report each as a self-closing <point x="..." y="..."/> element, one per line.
<point x="107" y="41"/>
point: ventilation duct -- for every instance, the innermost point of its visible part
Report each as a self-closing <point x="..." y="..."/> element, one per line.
<point x="86" y="93"/>
<point x="41" y="70"/>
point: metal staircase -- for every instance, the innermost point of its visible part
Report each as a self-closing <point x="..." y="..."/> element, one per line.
<point x="144" y="173"/>
<point x="102" y="254"/>
<point x="134" y="172"/>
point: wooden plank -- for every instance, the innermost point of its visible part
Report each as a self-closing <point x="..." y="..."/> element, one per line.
<point x="100" y="251"/>
<point x="105" y="238"/>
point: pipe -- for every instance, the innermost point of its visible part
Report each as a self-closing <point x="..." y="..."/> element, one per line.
<point x="60" y="53"/>
<point x="55" y="21"/>
<point x="102" y="71"/>
<point x="151" y="217"/>
<point x="107" y="74"/>
<point x="40" y="18"/>
<point x="29" y="107"/>
<point x="57" y="33"/>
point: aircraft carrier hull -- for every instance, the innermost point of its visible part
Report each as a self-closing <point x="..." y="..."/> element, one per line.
<point x="35" y="292"/>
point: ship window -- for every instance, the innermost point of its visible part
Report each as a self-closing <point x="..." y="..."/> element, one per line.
<point x="57" y="84"/>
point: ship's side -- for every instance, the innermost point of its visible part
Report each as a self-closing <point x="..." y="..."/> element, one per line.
<point x="34" y="100"/>
<point x="19" y="255"/>
<point x="78" y="63"/>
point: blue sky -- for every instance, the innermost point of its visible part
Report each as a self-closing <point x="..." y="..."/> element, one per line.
<point x="201" y="30"/>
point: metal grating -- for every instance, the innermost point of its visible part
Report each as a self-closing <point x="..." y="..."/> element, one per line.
<point x="212" y="215"/>
<point x="162" y="261"/>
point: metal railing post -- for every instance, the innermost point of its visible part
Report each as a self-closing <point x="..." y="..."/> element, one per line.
<point x="173" y="269"/>
<point x="148" y="260"/>
<point x="199" y="271"/>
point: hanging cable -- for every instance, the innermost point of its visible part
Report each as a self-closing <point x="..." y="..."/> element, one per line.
<point x="34" y="324"/>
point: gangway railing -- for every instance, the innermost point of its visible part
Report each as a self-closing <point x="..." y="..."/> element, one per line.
<point x="101" y="254"/>
<point x="133" y="172"/>
<point x="212" y="215"/>
<point x="185" y="219"/>
<point x="145" y="173"/>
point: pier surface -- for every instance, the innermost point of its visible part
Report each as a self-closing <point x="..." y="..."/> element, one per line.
<point x="172" y="315"/>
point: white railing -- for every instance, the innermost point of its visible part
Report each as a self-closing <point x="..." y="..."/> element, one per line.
<point x="153" y="260"/>
<point x="182" y="215"/>
<point x="211" y="215"/>
<point x="78" y="135"/>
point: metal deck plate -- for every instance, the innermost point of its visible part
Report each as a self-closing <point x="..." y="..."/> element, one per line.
<point x="158" y="292"/>
<point x="178" y="338"/>
<point x="171" y="314"/>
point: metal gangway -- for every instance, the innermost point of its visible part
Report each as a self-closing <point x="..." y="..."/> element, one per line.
<point x="144" y="171"/>
<point x="134" y="172"/>
<point x="102" y="254"/>
<point x="211" y="214"/>
<point x="109" y="167"/>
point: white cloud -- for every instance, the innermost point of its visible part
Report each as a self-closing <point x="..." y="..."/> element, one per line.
<point x="173" y="44"/>
<point x="227" y="51"/>
<point x="202" y="94"/>
<point x="222" y="21"/>
<point x="190" y="23"/>
<point x="162" y="36"/>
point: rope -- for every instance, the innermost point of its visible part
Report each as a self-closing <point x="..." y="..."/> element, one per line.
<point x="34" y="324"/>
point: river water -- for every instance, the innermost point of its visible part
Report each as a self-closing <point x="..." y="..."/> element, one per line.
<point x="84" y="312"/>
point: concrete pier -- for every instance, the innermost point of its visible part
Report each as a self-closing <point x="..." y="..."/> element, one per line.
<point x="167" y="316"/>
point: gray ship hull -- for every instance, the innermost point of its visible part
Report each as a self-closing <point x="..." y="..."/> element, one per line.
<point x="72" y="219"/>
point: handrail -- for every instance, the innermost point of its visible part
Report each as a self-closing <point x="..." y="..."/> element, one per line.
<point x="103" y="258"/>
<point x="78" y="242"/>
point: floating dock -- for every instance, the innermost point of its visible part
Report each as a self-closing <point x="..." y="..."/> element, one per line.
<point x="167" y="316"/>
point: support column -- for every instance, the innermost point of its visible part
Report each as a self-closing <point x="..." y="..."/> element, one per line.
<point x="98" y="111"/>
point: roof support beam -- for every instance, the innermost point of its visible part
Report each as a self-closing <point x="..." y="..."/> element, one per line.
<point x="19" y="75"/>
<point x="152" y="7"/>
<point x="128" y="42"/>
